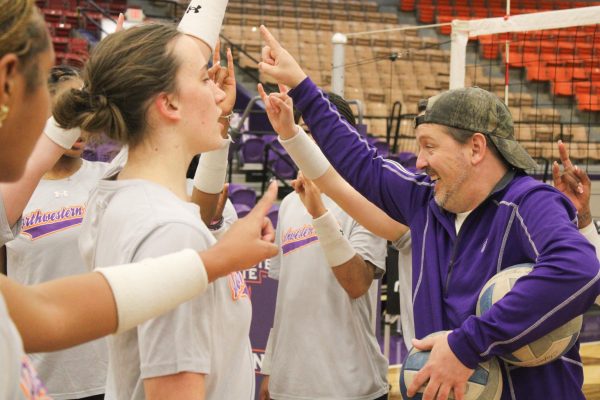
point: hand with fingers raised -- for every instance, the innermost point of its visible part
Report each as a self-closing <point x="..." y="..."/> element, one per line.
<point x="310" y="195"/>
<point x="278" y="63"/>
<point x="574" y="183"/>
<point x="443" y="373"/>
<point x="224" y="78"/>
<point x="280" y="110"/>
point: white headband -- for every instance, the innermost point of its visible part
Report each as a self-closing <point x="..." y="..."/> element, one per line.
<point x="203" y="19"/>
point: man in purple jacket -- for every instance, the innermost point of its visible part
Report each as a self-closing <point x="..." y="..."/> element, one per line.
<point x="472" y="213"/>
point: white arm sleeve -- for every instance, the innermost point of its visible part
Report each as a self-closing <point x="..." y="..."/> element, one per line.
<point x="212" y="169"/>
<point x="203" y="19"/>
<point x="65" y="138"/>
<point x="335" y="245"/>
<point x="306" y="154"/>
<point x="148" y="288"/>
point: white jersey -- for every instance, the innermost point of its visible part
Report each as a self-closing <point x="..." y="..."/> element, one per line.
<point x="18" y="379"/>
<point x="407" y="322"/>
<point x="132" y="220"/>
<point x="322" y="345"/>
<point x="46" y="249"/>
<point x="7" y="233"/>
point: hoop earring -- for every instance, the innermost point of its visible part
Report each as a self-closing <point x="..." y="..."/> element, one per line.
<point x="4" y="110"/>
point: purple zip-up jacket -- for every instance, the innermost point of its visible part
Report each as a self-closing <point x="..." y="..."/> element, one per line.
<point x="522" y="220"/>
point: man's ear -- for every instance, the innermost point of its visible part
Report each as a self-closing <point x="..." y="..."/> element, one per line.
<point x="167" y="106"/>
<point x="478" y="147"/>
<point x="8" y="76"/>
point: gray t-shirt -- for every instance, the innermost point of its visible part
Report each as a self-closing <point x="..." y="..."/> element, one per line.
<point x="11" y="354"/>
<point x="7" y="233"/>
<point x="18" y="378"/>
<point x="322" y="345"/>
<point x="132" y="220"/>
<point x="407" y="322"/>
<point x="46" y="249"/>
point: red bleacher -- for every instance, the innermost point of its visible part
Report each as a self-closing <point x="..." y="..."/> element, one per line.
<point x="566" y="58"/>
<point x="65" y="16"/>
<point x="446" y="10"/>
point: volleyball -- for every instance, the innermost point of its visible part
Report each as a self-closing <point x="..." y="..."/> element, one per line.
<point x="545" y="349"/>
<point x="484" y="384"/>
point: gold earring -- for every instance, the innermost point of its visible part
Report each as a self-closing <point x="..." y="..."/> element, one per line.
<point x="3" y="113"/>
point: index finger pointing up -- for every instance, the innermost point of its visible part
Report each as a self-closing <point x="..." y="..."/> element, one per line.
<point x="217" y="53"/>
<point x="267" y="37"/>
<point x="564" y="155"/>
<point x="263" y="206"/>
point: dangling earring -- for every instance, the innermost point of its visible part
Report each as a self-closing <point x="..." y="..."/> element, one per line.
<point x="3" y="113"/>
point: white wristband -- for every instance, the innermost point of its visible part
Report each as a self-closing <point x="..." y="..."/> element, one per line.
<point x="151" y="287"/>
<point x="336" y="247"/>
<point x="203" y="19"/>
<point x="306" y="154"/>
<point x="65" y="138"/>
<point x="212" y="169"/>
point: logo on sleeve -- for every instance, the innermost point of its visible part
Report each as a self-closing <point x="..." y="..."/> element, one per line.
<point x="31" y="386"/>
<point x="40" y="223"/>
<point x="296" y="238"/>
<point x="195" y="9"/>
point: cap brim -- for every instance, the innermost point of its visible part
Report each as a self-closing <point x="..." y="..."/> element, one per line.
<point x="514" y="153"/>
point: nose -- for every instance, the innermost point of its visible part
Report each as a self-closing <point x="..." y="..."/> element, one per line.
<point x="421" y="160"/>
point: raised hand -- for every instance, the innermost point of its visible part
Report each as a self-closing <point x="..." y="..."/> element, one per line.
<point x="120" y="22"/>
<point x="224" y="78"/>
<point x="248" y="241"/>
<point x="278" y="63"/>
<point x="442" y="373"/>
<point x="574" y="183"/>
<point x="310" y="195"/>
<point x="280" y="111"/>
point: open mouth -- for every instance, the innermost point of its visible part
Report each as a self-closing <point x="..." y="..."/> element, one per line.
<point x="433" y="176"/>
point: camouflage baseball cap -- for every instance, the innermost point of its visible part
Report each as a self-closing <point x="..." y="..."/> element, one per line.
<point x="478" y="110"/>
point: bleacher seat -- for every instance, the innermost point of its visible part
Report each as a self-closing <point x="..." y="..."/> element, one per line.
<point x="239" y="194"/>
<point x="241" y="210"/>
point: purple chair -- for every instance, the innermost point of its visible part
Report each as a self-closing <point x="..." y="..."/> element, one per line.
<point x="241" y="210"/>
<point x="242" y="195"/>
<point x="284" y="167"/>
<point x="252" y="150"/>
<point x="270" y="138"/>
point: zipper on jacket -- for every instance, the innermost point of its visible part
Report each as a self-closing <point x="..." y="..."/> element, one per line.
<point x="451" y="265"/>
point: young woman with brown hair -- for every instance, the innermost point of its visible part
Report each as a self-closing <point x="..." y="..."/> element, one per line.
<point x="69" y="311"/>
<point x="149" y="87"/>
